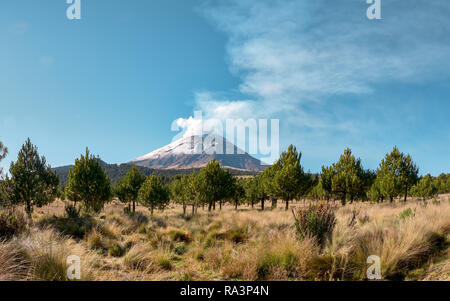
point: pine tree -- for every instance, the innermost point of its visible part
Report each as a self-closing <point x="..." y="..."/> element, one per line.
<point x="33" y="181"/>
<point x="3" y="153"/>
<point x="154" y="194"/>
<point x="178" y="191"/>
<point x="425" y="188"/>
<point x="396" y="174"/>
<point x="345" y="179"/>
<point x="88" y="183"/>
<point x="128" y="188"/>
<point x="213" y="184"/>
<point x="238" y="190"/>
<point x="289" y="177"/>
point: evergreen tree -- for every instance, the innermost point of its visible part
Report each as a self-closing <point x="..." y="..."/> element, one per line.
<point x="33" y="182"/>
<point x="425" y="188"/>
<point x="289" y="177"/>
<point x="396" y="174"/>
<point x="213" y="184"/>
<point x="88" y="183"/>
<point x="178" y="191"/>
<point x="3" y="153"/>
<point x="345" y="179"/>
<point x="252" y="191"/>
<point x="268" y="184"/>
<point x="154" y="194"/>
<point x="128" y="188"/>
<point x="238" y="190"/>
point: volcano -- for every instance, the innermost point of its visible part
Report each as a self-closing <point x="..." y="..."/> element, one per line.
<point x="196" y="152"/>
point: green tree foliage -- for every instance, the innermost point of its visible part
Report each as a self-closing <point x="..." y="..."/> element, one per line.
<point x="374" y="194"/>
<point x="5" y="188"/>
<point x="214" y="184"/>
<point x="179" y="191"/>
<point x="253" y="191"/>
<point x="128" y="188"/>
<point x="33" y="182"/>
<point x="268" y="185"/>
<point x="238" y="190"/>
<point x="289" y="177"/>
<point x="396" y="174"/>
<point x="88" y="183"/>
<point x="425" y="188"/>
<point x="154" y="194"/>
<point x="345" y="179"/>
<point x="442" y="183"/>
<point x="3" y="153"/>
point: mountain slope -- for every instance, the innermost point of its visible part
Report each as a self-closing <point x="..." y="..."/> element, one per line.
<point x="196" y="152"/>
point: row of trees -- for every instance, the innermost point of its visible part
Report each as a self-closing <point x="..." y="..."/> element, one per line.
<point x="31" y="182"/>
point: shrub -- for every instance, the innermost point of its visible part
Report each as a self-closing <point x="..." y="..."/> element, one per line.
<point x="71" y="211"/>
<point x="142" y="229"/>
<point x="137" y="258"/>
<point x="74" y="227"/>
<point x="164" y="262"/>
<point x="237" y="235"/>
<point x="180" y="248"/>
<point x="11" y="224"/>
<point x="179" y="235"/>
<point x="116" y="250"/>
<point x="96" y="242"/>
<point x="270" y="261"/>
<point x="316" y="221"/>
<point x="407" y="213"/>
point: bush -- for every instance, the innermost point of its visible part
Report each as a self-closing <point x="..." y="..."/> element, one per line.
<point x="164" y="262"/>
<point x="315" y="221"/>
<point x="178" y="235"/>
<point x="285" y="261"/>
<point x="71" y="211"/>
<point x="95" y="242"/>
<point x="180" y="248"/>
<point x="116" y="250"/>
<point x="142" y="229"/>
<point x="407" y="213"/>
<point x="237" y="235"/>
<point x="11" y="224"/>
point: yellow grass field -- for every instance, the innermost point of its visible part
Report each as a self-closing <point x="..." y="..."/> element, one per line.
<point x="233" y="245"/>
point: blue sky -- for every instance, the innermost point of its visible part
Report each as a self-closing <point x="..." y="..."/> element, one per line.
<point x="116" y="79"/>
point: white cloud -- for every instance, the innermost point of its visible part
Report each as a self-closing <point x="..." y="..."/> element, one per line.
<point x="291" y="55"/>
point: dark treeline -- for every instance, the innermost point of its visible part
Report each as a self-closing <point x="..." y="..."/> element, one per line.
<point x="33" y="183"/>
<point x="117" y="172"/>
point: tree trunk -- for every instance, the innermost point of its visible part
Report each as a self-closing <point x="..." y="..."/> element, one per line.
<point x="235" y="205"/>
<point x="214" y="205"/>
<point x="262" y="204"/>
<point x="151" y="211"/>
<point x="220" y="205"/>
<point x="28" y="210"/>
<point x="193" y="210"/>
<point x="287" y="205"/>
<point x="406" y="194"/>
<point x="184" y="209"/>
<point x="134" y="206"/>
<point x="274" y="203"/>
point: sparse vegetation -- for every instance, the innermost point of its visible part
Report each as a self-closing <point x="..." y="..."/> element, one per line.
<point x="324" y="239"/>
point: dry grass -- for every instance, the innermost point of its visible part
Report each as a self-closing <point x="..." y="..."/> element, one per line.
<point x="225" y="245"/>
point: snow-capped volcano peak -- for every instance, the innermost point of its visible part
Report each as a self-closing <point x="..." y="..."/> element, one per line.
<point x="196" y="152"/>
